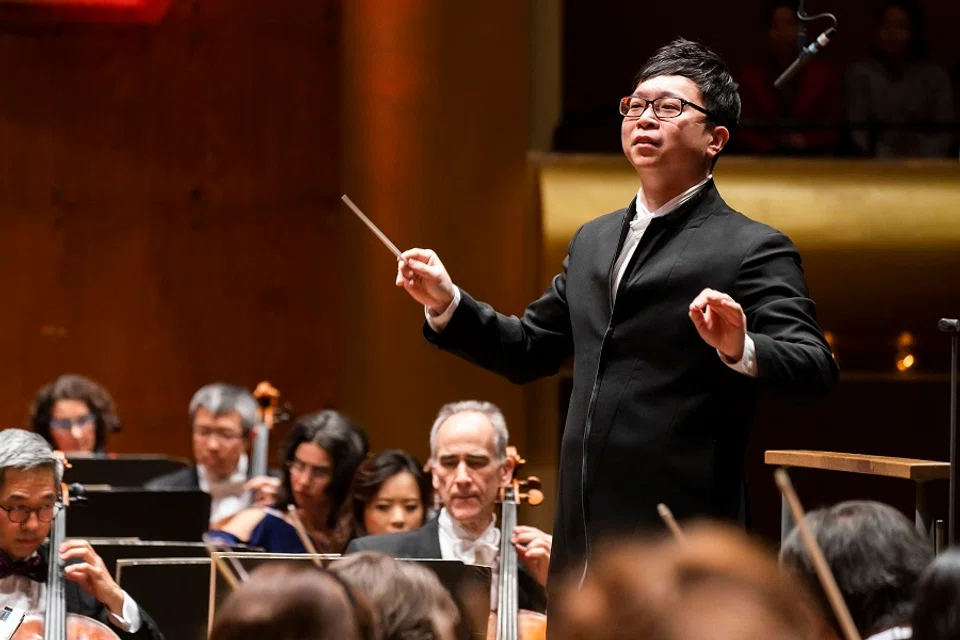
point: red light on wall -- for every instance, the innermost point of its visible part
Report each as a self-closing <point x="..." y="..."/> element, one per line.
<point x="112" y="11"/>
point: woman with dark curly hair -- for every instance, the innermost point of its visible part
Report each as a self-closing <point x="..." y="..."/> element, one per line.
<point x="74" y="414"/>
<point x="321" y="454"/>
<point x="391" y="493"/>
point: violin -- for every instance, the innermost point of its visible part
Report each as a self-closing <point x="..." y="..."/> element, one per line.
<point x="56" y="623"/>
<point x="509" y="622"/>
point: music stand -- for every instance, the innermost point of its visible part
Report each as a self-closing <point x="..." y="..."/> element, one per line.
<point x="112" y="550"/>
<point x="469" y="585"/>
<point x="174" y="591"/>
<point x="120" y="470"/>
<point x="180" y="515"/>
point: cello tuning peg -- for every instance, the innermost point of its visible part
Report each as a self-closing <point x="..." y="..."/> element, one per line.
<point x="533" y="482"/>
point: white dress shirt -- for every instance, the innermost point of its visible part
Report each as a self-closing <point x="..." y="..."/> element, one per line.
<point x="456" y="543"/>
<point x="20" y="592"/>
<point x="747" y="364"/>
<point x="227" y="496"/>
<point x="894" y="633"/>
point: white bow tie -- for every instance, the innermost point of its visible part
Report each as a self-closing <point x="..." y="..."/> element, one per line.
<point x="484" y="549"/>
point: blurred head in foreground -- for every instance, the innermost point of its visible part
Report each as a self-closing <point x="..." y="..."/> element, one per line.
<point x="292" y="602"/>
<point x="717" y="584"/>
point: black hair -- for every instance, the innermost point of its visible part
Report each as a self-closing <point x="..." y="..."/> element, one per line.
<point x="705" y="69"/>
<point x="375" y="471"/>
<point x="918" y="47"/>
<point x="343" y="440"/>
<point x="936" y="614"/>
<point x="876" y="554"/>
<point x="771" y="6"/>
<point x="74" y="387"/>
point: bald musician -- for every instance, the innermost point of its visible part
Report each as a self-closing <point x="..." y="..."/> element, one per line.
<point x="30" y="477"/>
<point x="468" y="457"/>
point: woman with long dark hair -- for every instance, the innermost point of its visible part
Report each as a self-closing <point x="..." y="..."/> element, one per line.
<point x="320" y="455"/>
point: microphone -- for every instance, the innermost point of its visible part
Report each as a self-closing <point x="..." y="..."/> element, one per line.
<point x="949" y="325"/>
<point x="805" y="54"/>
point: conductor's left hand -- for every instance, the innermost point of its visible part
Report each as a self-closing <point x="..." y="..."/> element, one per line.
<point x="721" y="322"/>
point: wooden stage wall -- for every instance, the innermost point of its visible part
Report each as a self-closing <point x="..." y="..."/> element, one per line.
<point x="168" y="202"/>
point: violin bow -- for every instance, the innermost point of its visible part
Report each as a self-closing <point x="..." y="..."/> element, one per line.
<point x="304" y="536"/>
<point x="827" y="581"/>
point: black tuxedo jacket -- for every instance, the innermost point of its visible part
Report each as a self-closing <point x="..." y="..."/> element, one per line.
<point x="424" y="544"/>
<point x="655" y="415"/>
<point x="182" y="479"/>
<point x="187" y="478"/>
<point x="79" y="601"/>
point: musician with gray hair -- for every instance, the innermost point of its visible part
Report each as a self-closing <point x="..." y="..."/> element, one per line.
<point x="221" y="417"/>
<point x="468" y="458"/>
<point x="30" y="476"/>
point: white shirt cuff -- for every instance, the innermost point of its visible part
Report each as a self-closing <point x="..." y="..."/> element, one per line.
<point x="747" y="365"/>
<point x="439" y="322"/>
<point x="130" y="622"/>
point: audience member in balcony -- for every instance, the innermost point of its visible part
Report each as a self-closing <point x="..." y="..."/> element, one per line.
<point x="390" y="493"/>
<point x="899" y="85"/>
<point x="321" y="455"/>
<point x="74" y="414"/>
<point x="876" y="556"/>
<point x="812" y="96"/>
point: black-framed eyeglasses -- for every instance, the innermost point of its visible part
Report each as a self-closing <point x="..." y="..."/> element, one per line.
<point x="21" y="514"/>
<point x="68" y="423"/>
<point x="664" y="108"/>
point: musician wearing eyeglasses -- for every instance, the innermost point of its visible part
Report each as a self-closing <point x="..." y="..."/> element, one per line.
<point x="221" y="419"/>
<point x="676" y="310"/>
<point x="469" y="463"/>
<point x="74" y="414"/>
<point x="321" y="455"/>
<point x="30" y="477"/>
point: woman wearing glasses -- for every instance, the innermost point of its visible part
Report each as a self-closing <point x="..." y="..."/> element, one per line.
<point x="74" y="414"/>
<point x="321" y="455"/>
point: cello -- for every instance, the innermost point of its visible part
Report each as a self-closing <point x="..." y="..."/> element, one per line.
<point x="509" y="622"/>
<point x="56" y="623"/>
<point x="267" y="398"/>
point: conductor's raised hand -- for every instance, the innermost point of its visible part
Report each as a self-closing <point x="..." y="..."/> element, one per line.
<point x="721" y="322"/>
<point x="421" y="273"/>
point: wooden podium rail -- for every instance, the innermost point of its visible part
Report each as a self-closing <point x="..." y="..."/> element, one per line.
<point x="919" y="471"/>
